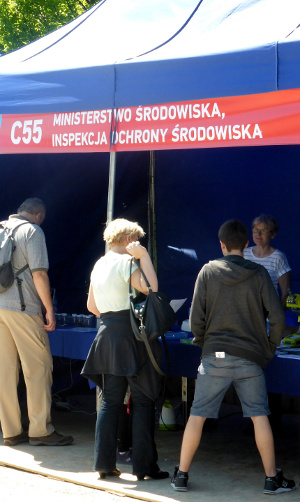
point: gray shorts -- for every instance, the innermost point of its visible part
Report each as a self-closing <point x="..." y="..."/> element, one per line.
<point x="215" y="376"/>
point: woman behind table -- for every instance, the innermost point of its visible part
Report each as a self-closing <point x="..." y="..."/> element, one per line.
<point x="116" y="359"/>
<point x="264" y="229"/>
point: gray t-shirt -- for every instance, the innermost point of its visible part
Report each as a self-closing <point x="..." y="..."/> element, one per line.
<point x="31" y="249"/>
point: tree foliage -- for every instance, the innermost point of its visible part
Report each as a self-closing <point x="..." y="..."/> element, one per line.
<point x="23" y="21"/>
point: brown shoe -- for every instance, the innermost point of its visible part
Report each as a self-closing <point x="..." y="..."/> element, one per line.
<point x="53" y="439"/>
<point x="13" y="441"/>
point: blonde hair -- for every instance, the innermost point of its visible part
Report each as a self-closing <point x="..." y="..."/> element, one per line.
<point x="120" y="228"/>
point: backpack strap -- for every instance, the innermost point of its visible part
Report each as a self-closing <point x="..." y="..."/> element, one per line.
<point x="19" y="281"/>
<point x="19" y="286"/>
<point x="18" y="272"/>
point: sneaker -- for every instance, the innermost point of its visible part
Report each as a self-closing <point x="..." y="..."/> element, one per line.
<point x="14" y="440"/>
<point x="278" y="484"/>
<point x="179" y="480"/>
<point x="124" y="457"/>
<point x="53" y="439"/>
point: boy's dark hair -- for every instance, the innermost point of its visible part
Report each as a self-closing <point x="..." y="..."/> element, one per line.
<point x="234" y="234"/>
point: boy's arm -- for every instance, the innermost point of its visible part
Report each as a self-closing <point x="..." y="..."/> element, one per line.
<point x="198" y="310"/>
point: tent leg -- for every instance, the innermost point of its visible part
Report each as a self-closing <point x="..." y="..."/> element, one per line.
<point x="110" y="212"/>
<point x="111" y="190"/>
<point x="151" y="212"/>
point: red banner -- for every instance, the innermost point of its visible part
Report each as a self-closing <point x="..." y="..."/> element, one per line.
<point x="260" y="119"/>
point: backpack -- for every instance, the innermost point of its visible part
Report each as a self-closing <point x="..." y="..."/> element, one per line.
<point x="7" y="247"/>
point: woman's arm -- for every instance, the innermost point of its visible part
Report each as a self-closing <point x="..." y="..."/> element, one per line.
<point x="91" y="304"/>
<point x="284" y="283"/>
<point x="140" y="253"/>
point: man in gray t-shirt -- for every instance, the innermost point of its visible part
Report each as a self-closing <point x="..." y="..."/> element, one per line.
<point x="23" y="334"/>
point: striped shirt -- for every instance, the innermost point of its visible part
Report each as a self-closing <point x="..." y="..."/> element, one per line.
<point x="276" y="263"/>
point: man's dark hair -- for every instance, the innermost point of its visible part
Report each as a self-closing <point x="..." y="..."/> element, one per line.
<point x="234" y="234"/>
<point x="32" y="206"/>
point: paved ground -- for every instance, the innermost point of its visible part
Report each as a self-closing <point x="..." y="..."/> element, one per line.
<point x="23" y="486"/>
<point x="226" y="468"/>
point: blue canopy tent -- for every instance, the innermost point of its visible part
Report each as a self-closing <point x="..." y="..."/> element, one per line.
<point x="122" y="53"/>
<point x="145" y="71"/>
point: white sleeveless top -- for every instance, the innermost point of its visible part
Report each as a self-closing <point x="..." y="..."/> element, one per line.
<point x="110" y="281"/>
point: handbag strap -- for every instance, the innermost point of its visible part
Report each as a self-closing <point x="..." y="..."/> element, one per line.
<point x="142" y="327"/>
<point x="130" y="272"/>
<point x="133" y="260"/>
<point x="150" y="353"/>
<point x="143" y="335"/>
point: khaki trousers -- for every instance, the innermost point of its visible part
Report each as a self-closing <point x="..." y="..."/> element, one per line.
<point x="24" y="341"/>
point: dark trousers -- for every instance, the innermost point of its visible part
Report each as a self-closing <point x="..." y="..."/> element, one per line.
<point x="125" y="428"/>
<point x="144" y="454"/>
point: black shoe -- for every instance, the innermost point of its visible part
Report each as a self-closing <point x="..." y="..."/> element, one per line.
<point x="179" y="480"/>
<point x="115" y="472"/>
<point x="278" y="484"/>
<point x="53" y="439"/>
<point x="154" y="473"/>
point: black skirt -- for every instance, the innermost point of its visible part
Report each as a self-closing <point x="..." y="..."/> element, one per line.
<point x="115" y="351"/>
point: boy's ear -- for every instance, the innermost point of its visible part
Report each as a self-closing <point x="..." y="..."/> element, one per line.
<point x="247" y="244"/>
<point x="223" y="247"/>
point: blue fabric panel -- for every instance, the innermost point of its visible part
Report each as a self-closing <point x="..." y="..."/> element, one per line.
<point x="249" y="72"/>
<point x="74" y="188"/>
<point x="60" y="91"/>
<point x="240" y="73"/>
<point x="289" y="65"/>
<point x="197" y="190"/>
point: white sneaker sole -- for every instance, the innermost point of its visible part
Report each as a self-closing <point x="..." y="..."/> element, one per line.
<point x="179" y="488"/>
<point x="279" y="490"/>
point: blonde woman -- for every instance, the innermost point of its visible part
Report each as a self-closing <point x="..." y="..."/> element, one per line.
<point x="116" y="359"/>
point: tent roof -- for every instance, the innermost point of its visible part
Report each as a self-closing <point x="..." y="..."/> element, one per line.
<point x="128" y="53"/>
<point x="110" y="32"/>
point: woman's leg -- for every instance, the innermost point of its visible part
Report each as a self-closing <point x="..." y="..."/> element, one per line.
<point x="106" y="436"/>
<point x="144" y="453"/>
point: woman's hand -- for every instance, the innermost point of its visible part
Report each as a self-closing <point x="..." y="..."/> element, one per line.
<point x="140" y="253"/>
<point x="136" y="249"/>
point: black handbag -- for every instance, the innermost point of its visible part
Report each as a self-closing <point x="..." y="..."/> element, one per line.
<point x="150" y="318"/>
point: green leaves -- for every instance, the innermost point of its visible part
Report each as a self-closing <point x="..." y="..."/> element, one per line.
<point x="23" y="21"/>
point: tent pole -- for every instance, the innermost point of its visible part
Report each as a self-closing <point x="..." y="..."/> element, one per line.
<point x="151" y="211"/>
<point x="109" y="217"/>
<point x="111" y="190"/>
